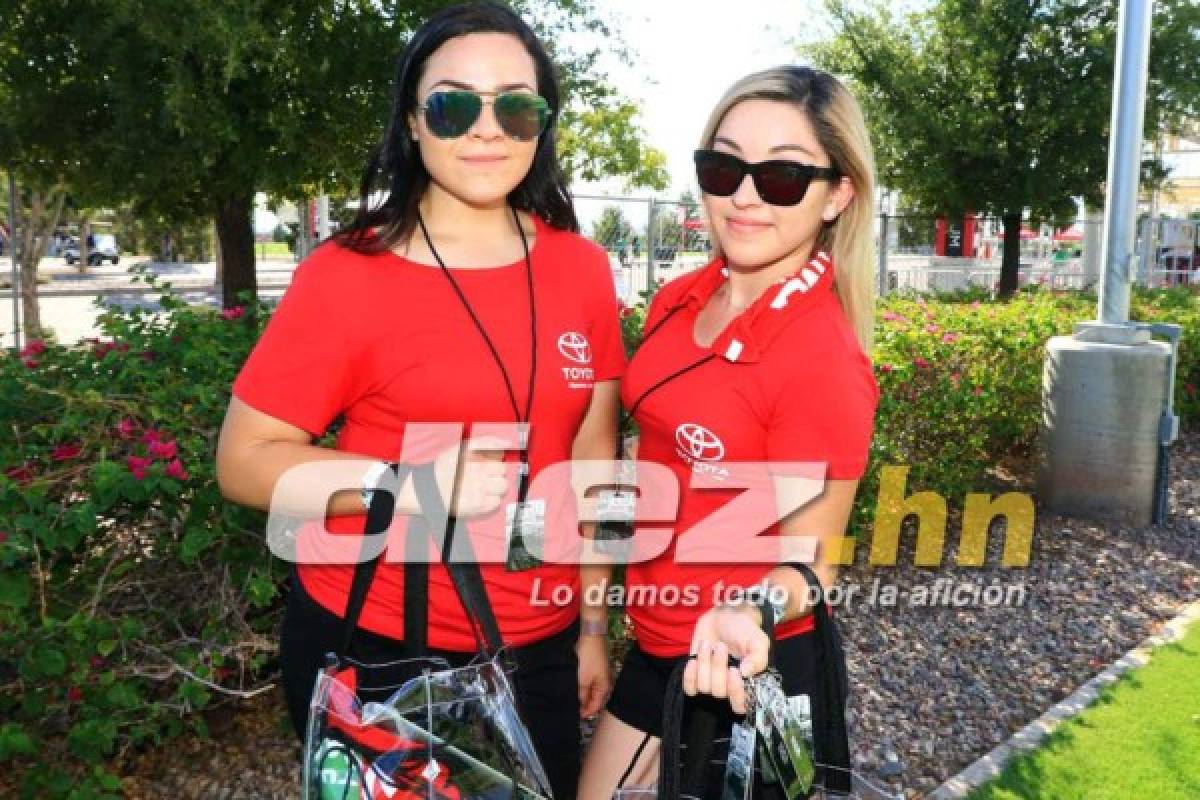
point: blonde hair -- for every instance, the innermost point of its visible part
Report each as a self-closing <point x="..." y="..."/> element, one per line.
<point x="838" y="121"/>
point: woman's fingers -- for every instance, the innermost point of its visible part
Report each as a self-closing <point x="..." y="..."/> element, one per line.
<point x="737" y="690"/>
<point x="719" y="670"/>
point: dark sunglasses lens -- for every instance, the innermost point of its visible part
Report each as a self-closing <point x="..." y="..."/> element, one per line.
<point x="781" y="184"/>
<point x="718" y="174"/>
<point x="523" y="116"/>
<point x="451" y="114"/>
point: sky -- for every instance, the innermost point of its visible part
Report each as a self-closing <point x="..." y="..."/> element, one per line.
<point x="686" y="53"/>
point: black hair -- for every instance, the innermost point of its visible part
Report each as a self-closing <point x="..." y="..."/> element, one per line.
<point x="395" y="166"/>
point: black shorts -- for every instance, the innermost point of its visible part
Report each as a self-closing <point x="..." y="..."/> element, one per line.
<point x="641" y="687"/>
<point x="546" y="682"/>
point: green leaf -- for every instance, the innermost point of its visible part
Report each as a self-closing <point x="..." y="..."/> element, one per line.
<point x="106" y="646"/>
<point x="15" y="588"/>
<point x="14" y="741"/>
<point x="51" y="661"/>
<point x="195" y="541"/>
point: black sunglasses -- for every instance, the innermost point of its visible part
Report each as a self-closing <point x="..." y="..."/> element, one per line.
<point x="450" y="114"/>
<point x="780" y="183"/>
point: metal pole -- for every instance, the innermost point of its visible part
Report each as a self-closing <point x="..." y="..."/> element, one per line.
<point x="12" y="256"/>
<point x="650" y="244"/>
<point x="883" y="256"/>
<point x="1125" y="158"/>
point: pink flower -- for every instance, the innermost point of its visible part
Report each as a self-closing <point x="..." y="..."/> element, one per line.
<point x="886" y="368"/>
<point x="920" y="363"/>
<point x="891" y="316"/>
<point x="3" y="537"/>
<point x="74" y="694"/>
<point x="151" y="435"/>
<point x="137" y="466"/>
<point x="30" y="363"/>
<point x="21" y="474"/>
<point x="35" y="347"/>
<point x="175" y="470"/>
<point x="950" y="338"/>
<point x="955" y="377"/>
<point x="233" y="313"/>
<point x="125" y="428"/>
<point x="978" y="390"/>
<point x="1190" y="388"/>
<point x="975" y="305"/>
<point x="932" y="329"/>
<point x="626" y="312"/>
<point x="146" y="355"/>
<point x="96" y="662"/>
<point x="164" y="450"/>
<point x="66" y="452"/>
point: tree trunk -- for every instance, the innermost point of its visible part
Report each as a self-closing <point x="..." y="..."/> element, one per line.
<point x="235" y="238"/>
<point x="34" y="231"/>
<point x="1010" y="266"/>
<point x="85" y="249"/>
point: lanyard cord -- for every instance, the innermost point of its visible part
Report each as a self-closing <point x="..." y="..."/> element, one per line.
<point x="677" y="373"/>
<point x="512" y="396"/>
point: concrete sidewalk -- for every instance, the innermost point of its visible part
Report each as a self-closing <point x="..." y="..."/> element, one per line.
<point x="67" y="301"/>
<point x="63" y="280"/>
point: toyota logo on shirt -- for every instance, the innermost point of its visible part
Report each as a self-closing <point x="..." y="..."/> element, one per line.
<point x="698" y="443"/>
<point x="575" y="349"/>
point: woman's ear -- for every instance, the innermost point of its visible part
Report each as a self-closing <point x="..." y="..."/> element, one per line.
<point x="839" y="199"/>
<point x="412" y="127"/>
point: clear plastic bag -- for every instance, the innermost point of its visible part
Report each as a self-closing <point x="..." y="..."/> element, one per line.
<point x="445" y="734"/>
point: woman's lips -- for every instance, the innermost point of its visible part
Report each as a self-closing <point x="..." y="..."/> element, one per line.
<point x="483" y="159"/>
<point x="744" y="225"/>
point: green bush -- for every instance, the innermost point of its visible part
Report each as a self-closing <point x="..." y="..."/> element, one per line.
<point x="132" y="594"/>
<point x="129" y="588"/>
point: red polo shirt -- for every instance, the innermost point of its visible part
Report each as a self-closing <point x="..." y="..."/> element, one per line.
<point x="386" y="342"/>
<point x="788" y="382"/>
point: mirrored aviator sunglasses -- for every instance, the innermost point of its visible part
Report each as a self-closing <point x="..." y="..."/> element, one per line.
<point x="450" y="114"/>
<point x="780" y="183"/>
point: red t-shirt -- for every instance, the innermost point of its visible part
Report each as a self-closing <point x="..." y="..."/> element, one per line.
<point x="788" y="382"/>
<point x="386" y="342"/>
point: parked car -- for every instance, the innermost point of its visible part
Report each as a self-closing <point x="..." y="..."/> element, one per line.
<point x="104" y="248"/>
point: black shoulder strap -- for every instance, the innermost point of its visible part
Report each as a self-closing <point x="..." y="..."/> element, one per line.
<point x="468" y="580"/>
<point x="379" y="518"/>
<point x="833" y="743"/>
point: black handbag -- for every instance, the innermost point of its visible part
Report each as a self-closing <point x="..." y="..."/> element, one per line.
<point x="691" y="766"/>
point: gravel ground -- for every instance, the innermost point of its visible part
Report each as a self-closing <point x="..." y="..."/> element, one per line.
<point x="933" y="688"/>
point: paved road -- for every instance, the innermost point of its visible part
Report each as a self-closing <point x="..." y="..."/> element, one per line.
<point x="68" y="301"/>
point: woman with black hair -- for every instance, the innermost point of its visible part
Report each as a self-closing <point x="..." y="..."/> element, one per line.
<point x="465" y="297"/>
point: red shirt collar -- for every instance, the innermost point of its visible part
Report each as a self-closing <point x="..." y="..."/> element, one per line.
<point x="745" y="338"/>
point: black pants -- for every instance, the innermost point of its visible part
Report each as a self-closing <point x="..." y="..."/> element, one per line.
<point x="545" y="684"/>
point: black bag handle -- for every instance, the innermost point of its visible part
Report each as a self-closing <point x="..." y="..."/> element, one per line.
<point x="832" y="742"/>
<point x="468" y="581"/>
<point x="465" y="573"/>
<point x="379" y="518"/>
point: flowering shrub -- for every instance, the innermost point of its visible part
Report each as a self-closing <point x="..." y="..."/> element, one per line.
<point x="132" y="594"/>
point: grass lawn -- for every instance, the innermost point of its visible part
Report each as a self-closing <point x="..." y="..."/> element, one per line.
<point x="1140" y="740"/>
<point x="273" y="249"/>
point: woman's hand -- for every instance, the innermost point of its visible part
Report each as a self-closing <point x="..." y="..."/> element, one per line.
<point x="723" y="632"/>
<point x="482" y="476"/>
<point x="595" y="677"/>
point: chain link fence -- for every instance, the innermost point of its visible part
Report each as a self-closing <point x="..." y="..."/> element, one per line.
<point x="650" y="241"/>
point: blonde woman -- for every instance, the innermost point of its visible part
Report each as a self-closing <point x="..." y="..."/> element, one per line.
<point x="761" y="356"/>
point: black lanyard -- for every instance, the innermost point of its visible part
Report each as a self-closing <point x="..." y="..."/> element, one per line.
<point x="633" y="407"/>
<point x="523" y="483"/>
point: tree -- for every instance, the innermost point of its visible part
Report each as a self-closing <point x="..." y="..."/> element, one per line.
<point x="611" y="229"/>
<point x="194" y="105"/>
<point x="1001" y="106"/>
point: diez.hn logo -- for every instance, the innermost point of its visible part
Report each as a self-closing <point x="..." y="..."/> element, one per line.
<point x="575" y="349"/>
<point x="698" y="443"/>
